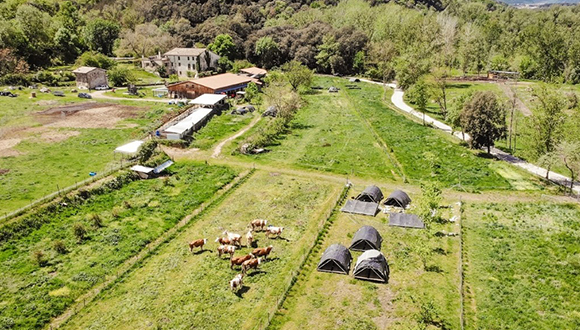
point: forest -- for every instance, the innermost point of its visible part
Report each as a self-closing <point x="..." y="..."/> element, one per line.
<point x="379" y="39"/>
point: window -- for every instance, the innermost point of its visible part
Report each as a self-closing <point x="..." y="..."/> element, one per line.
<point x="188" y="66"/>
<point x="188" y="58"/>
<point x="180" y="73"/>
<point x="179" y="58"/>
<point x="178" y="64"/>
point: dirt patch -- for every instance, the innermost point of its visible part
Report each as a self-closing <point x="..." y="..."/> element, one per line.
<point x="46" y="102"/>
<point x="178" y="153"/>
<point x="87" y="115"/>
<point x="58" y="136"/>
<point x="4" y="171"/>
<point x="6" y="147"/>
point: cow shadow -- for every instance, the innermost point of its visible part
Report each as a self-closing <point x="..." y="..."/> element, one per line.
<point x="272" y="259"/>
<point x="242" y="290"/>
<point x="281" y="238"/>
<point x="256" y="272"/>
<point x="198" y="252"/>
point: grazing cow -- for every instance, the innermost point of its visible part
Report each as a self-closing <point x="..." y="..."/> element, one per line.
<point x="197" y="243"/>
<point x="249" y="237"/>
<point x="226" y="249"/>
<point x="235" y="238"/>
<point x="262" y="252"/>
<point x="252" y="263"/>
<point x="223" y="240"/>
<point x="237" y="282"/>
<point x="275" y="231"/>
<point x="258" y="223"/>
<point x="239" y="260"/>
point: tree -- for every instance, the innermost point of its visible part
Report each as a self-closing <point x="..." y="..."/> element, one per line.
<point x="548" y="120"/>
<point x="439" y="90"/>
<point x="267" y="49"/>
<point x="569" y="154"/>
<point x="328" y="57"/>
<point x="420" y="97"/>
<point x="253" y="93"/>
<point x="224" y="46"/>
<point x="146" y="39"/>
<point x="10" y="63"/>
<point x="120" y="76"/>
<point x="297" y="74"/>
<point x="454" y="112"/>
<point x="483" y="118"/>
<point x="95" y="59"/>
<point x="100" y="35"/>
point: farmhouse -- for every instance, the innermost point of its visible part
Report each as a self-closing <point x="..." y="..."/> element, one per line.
<point x="188" y="125"/>
<point x="90" y="77"/>
<point x="335" y="259"/>
<point x="366" y="238"/>
<point x="254" y="72"/>
<point x="399" y="199"/>
<point x="227" y="83"/>
<point x="372" y="266"/>
<point x="187" y="62"/>
<point x="156" y="63"/>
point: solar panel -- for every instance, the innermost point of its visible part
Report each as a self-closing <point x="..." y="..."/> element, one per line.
<point x="359" y="207"/>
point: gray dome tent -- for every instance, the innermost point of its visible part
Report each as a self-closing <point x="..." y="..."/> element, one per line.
<point x="371" y="194"/>
<point x="372" y="266"/>
<point x="335" y="259"/>
<point x="398" y="198"/>
<point x="366" y="238"/>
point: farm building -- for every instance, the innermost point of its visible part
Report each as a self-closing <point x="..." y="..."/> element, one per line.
<point x="335" y="259"/>
<point x="188" y="125"/>
<point x="366" y="203"/>
<point x="398" y="198"/>
<point x="227" y="83"/>
<point x="405" y="220"/>
<point x="90" y="77"/>
<point x="184" y="62"/>
<point x="372" y="266"/>
<point x="366" y="238"/>
<point x="145" y="172"/>
<point x="215" y="101"/>
<point x="254" y="72"/>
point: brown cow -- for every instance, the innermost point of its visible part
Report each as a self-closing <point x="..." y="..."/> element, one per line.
<point x="262" y="252"/>
<point x="223" y="240"/>
<point x="239" y="260"/>
<point x="237" y="282"/>
<point x="252" y="263"/>
<point x="226" y="249"/>
<point x="197" y="243"/>
<point x="259" y="223"/>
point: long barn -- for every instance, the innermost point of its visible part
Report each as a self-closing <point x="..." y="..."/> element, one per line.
<point x="227" y="83"/>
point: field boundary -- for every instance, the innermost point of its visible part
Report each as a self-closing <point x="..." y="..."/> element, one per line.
<point x="324" y="226"/>
<point x="148" y="250"/>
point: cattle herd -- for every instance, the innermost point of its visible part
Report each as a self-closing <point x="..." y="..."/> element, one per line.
<point x="229" y="242"/>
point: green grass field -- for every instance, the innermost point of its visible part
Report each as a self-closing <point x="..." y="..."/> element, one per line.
<point x="176" y="289"/>
<point x="332" y="301"/>
<point x="522" y="262"/>
<point x="219" y="128"/>
<point x="132" y="217"/>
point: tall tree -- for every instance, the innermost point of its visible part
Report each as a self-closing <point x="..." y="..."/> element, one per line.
<point x="483" y="118"/>
<point x="569" y="154"/>
<point x="420" y="96"/>
<point x="297" y="74"/>
<point x="267" y="49"/>
<point x="224" y="46"/>
<point x="100" y="35"/>
<point x="147" y="39"/>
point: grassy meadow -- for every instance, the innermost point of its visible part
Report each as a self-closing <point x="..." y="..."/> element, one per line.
<point x="220" y="127"/>
<point x="33" y="289"/>
<point x="412" y="299"/>
<point x="177" y="289"/>
<point x="521" y="265"/>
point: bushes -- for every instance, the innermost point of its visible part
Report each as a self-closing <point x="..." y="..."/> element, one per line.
<point x="79" y="231"/>
<point x="59" y="247"/>
<point x="16" y="79"/>
<point x="120" y="76"/>
<point x="95" y="59"/>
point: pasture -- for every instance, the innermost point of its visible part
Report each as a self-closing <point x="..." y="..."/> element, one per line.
<point x="219" y="128"/>
<point x="521" y="265"/>
<point x="49" y="143"/>
<point x="413" y="298"/>
<point x="33" y="290"/>
<point x="177" y="289"/>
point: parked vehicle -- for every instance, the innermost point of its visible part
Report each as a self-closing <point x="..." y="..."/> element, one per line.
<point x="58" y="93"/>
<point x="85" y="96"/>
<point x="102" y="87"/>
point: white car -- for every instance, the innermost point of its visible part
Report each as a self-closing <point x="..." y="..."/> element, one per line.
<point x="102" y="87"/>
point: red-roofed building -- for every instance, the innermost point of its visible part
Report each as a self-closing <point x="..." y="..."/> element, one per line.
<point x="227" y="83"/>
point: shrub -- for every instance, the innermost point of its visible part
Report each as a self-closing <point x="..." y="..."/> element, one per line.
<point x="15" y="79"/>
<point x="120" y="76"/>
<point x="59" y="247"/>
<point x="95" y="59"/>
<point x="96" y="220"/>
<point x="79" y="231"/>
<point x="38" y="257"/>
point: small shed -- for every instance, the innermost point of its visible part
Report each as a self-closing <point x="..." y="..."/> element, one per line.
<point x="366" y="238"/>
<point x="90" y="77"/>
<point x="145" y="172"/>
<point x="398" y="198"/>
<point x="189" y="124"/>
<point x="210" y="100"/>
<point x="335" y="259"/>
<point x="130" y="148"/>
<point x="405" y="220"/>
<point x="372" y="194"/>
<point x="372" y="266"/>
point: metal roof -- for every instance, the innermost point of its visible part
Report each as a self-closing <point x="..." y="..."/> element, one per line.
<point x="130" y="148"/>
<point x="223" y="81"/>
<point x="254" y="71"/>
<point x="360" y="207"/>
<point x="366" y="238"/>
<point x="185" y="52"/>
<point x="405" y="220"/>
<point x="86" y="69"/>
<point x="398" y="198"/>
<point x="189" y="122"/>
<point x="208" y="99"/>
<point x="162" y="167"/>
<point x="335" y="259"/>
<point x="142" y="169"/>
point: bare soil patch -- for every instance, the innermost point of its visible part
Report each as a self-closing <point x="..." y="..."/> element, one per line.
<point x="4" y="171"/>
<point x="58" y="136"/>
<point x="6" y="147"/>
<point x="87" y="115"/>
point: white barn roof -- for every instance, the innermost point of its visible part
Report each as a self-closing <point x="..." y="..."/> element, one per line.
<point x="130" y="148"/>
<point x="142" y="169"/>
<point x="188" y="122"/>
<point x="208" y="99"/>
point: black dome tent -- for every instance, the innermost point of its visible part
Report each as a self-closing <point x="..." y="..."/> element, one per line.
<point x="335" y="259"/>
<point x="366" y="238"/>
<point x="372" y="266"/>
<point x="371" y="194"/>
<point x="398" y="198"/>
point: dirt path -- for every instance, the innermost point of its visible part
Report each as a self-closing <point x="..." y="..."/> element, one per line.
<point x="218" y="149"/>
<point x="509" y="92"/>
<point x="101" y="95"/>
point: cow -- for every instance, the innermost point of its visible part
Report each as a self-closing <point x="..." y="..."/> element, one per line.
<point x="237" y="282"/>
<point x="226" y="249"/>
<point x="223" y="240"/>
<point x="249" y="238"/>
<point x="197" y="243"/>
<point x="252" y="263"/>
<point x="239" y="260"/>
<point x="258" y="223"/>
<point x="262" y="252"/>
<point x="276" y="231"/>
<point x="235" y="238"/>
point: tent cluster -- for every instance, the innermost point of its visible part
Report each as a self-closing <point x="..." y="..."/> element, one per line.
<point x="367" y="202"/>
<point x="371" y="265"/>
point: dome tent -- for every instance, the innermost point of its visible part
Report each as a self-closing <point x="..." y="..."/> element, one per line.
<point x="398" y="198"/>
<point x="366" y="238"/>
<point x="335" y="259"/>
<point x="371" y="194"/>
<point x="372" y="266"/>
